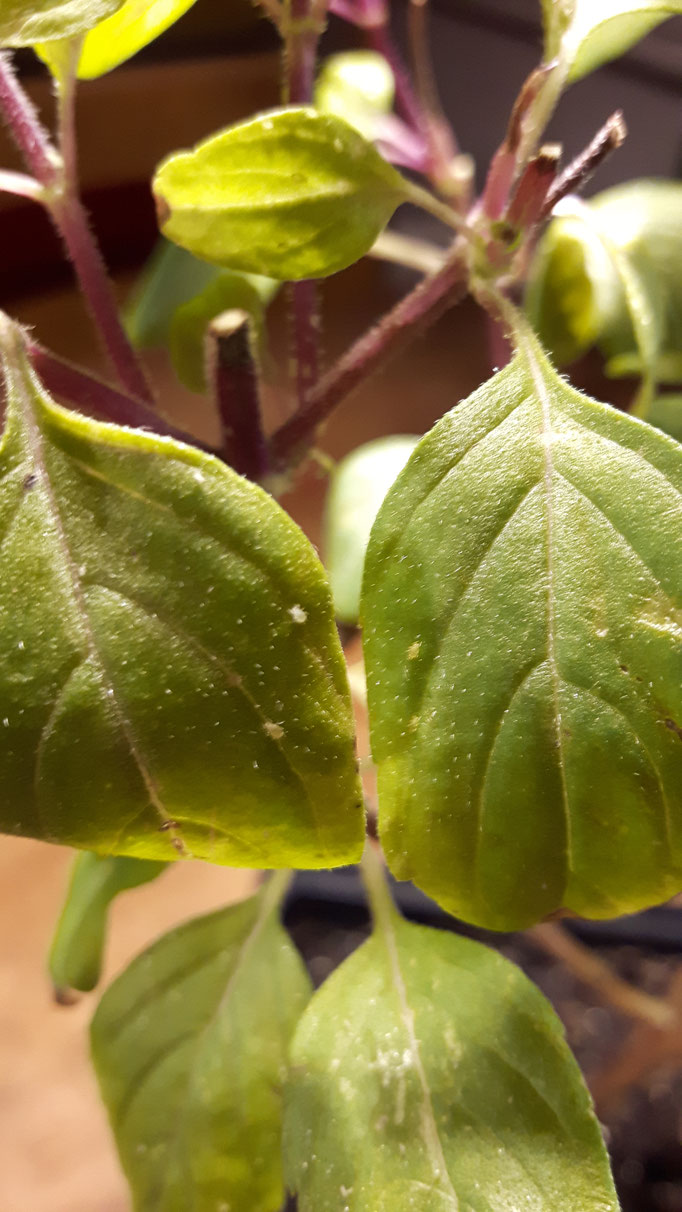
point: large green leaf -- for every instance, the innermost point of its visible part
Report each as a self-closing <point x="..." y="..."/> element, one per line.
<point x="357" y="488"/>
<point x="190" y="1047"/>
<point x="290" y="194"/>
<point x="428" y="1073"/>
<point x="23" y="22"/>
<point x="78" y="943"/>
<point x="584" y="34"/>
<point x="171" y="681"/>
<point x="523" y="616"/>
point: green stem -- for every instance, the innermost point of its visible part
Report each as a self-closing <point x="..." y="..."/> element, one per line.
<point x="373" y="871"/>
<point x="276" y="888"/>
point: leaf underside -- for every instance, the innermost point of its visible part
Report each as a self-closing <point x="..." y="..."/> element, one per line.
<point x="428" y="1073"/>
<point x="190" y="1048"/>
<point x="290" y="194"/>
<point x="172" y="683"/>
<point x="523" y="641"/>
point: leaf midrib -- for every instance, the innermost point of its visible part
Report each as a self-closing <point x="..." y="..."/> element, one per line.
<point x="271" y="896"/>
<point x="525" y="344"/>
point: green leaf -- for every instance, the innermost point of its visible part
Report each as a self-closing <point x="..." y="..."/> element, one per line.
<point x="247" y="292"/>
<point x="78" y="944"/>
<point x="608" y="274"/>
<point x="428" y="1073"/>
<point x="358" y="486"/>
<point x="172" y="683"/>
<point x="573" y="292"/>
<point x="171" y="277"/>
<point x="584" y="34"/>
<point x="523" y="645"/>
<point x="190" y="1047"/>
<point x="23" y="22"/>
<point x="357" y="86"/>
<point x="290" y="194"/>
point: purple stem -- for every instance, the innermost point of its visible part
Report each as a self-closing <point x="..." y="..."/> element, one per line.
<point x="300" y="54"/>
<point x="58" y="174"/>
<point x="71" y="221"/>
<point x="25" y="127"/>
<point x="379" y="39"/>
<point x="91" y="394"/>
<point x="408" y="319"/>
<point x="305" y="316"/>
<point x="233" y="371"/>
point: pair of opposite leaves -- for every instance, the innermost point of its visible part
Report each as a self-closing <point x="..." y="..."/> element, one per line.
<point x="172" y="683"/>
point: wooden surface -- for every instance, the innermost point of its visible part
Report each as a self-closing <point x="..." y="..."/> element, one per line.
<point x="56" y="1153"/>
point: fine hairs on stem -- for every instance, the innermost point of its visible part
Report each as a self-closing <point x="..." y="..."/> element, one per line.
<point x="56" y="172"/>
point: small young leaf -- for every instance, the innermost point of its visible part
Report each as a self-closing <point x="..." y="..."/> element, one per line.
<point x="291" y="194"/>
<point x="428" y="1073"/>
<point x="358" y="487"/>
<point x="247" y="292"/>
<point x="357" y="86"/>
<point x="76" y="952"/>
<point x="190" y="1046"/>
<point x="584" y="34"/>
<point x="172" y="682"/>
<point x="523" y="643"/>
<point x="23" y="22"/>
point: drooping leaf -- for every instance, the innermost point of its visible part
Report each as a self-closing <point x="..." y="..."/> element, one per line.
<point x="171" y="682"/>
<point x="608" y="273"/>
<point x="523" y="644"/>
<point x="247" y="292"/>
<point x="584" y="34"/>
<point x="358" y="487"/>
<point x="357" y="86"/>
<point x="190" y="1048"/>
<point x="78" y="944"/>
<point x="171" y="277"/>
<point x="428" y="1073"/>
<point x="290" y="194"/>
<point x="23" y="22"/>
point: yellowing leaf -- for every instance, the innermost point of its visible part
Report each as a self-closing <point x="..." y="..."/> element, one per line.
<point x="137" y="23"/>
<point x="291" y="194"/>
